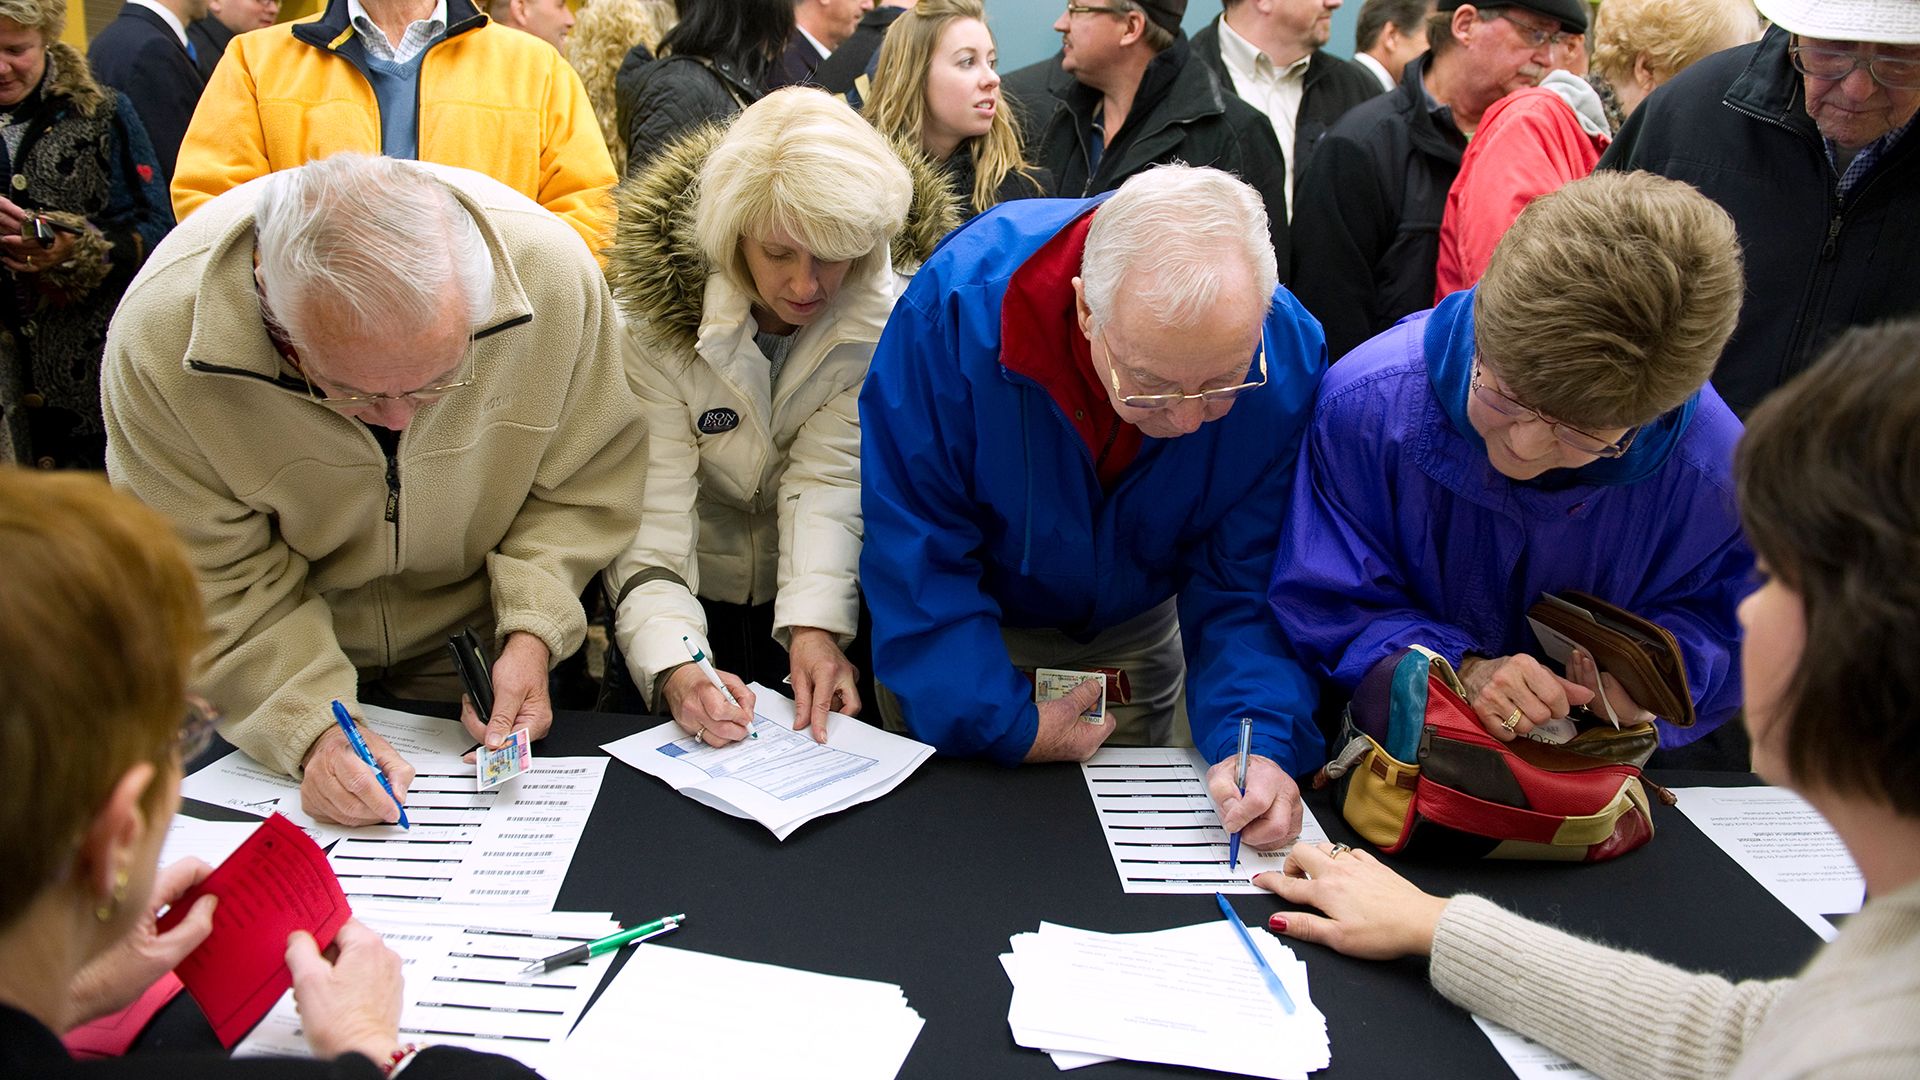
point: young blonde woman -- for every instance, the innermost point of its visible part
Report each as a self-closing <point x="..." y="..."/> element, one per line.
<point x="936" y="87"/>
<point x="753" y="262"/>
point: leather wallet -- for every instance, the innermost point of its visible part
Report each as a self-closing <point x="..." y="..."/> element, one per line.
<point x="1640" y="653"/>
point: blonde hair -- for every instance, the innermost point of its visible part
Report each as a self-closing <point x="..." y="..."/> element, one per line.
<point x="897" y="103"/>
<point x="100" y="619"/>
<point x="802" y="162"/>
<point x="1608" y="301"/>
<point x="1671" y="36"/>
<point x="603" y="33"/>
<point x="47" y="16"/>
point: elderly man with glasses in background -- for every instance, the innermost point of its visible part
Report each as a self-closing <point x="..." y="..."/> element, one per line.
<point x="1806" y="137"/>
<point x="1546" y="431"/>
<point x="1078" y="434"/>
<point x="382" y="401"/>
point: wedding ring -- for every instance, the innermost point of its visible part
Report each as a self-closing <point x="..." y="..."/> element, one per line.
<point x="1513" y="719"/>
<point x="1338" y="850"/>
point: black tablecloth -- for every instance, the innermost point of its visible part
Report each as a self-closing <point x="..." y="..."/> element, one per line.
<point x="923" y="888"/>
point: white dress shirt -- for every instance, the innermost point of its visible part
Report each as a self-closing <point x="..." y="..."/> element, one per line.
<point x="179" y="28"/>
<point x="1379" y="70"/>
<point x="1275" y="91"/>
<point x="813" y="41"/>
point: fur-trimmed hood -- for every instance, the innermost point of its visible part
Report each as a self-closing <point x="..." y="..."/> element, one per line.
<point x="69" y="77"/>
<point x="656" y="269"/>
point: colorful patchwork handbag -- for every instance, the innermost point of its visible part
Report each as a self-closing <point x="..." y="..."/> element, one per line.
<point x="1417" y="773"/>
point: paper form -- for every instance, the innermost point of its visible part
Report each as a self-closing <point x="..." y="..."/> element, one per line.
<point x="782" y="779"/>
<point x="209" y="841"/>
<point x="1785" y="844"/>
<point x="273" y="884"/>
<point x="509" y="845"/>
<point x="240" y="783"/>
<point x="674" y="1014"/>
<point x="1189" y="996"/>
<point x="457" y="964"/>
<point x="1162" y="828"/>
<point x="1528" y="1059"/>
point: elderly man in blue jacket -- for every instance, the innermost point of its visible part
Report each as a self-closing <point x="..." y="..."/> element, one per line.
<point x="1078" y="437"/>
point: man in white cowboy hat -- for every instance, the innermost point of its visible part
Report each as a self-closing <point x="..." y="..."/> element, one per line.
<point x="1807" y="138"/>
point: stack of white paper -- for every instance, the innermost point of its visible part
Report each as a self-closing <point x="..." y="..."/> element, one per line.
<point x="1188" y="996"/>
<point x="690" y="1016"/>
<point x="459" y="966"/>
<point x="782" y="778"/>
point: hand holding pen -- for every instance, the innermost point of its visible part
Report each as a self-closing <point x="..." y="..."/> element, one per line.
<point x="708" y="703"/>
<point x="1266" y="811"/>
<point x="338" y="786"/>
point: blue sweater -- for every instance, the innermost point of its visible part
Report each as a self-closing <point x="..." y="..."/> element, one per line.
<point x="983" y="510"/>
<point x="1402" y="533"/>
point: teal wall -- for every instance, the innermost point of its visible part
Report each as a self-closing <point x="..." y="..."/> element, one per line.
<point x="1024" y="28"/>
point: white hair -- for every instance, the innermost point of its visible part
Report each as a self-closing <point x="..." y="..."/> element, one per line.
<point x="1164" y="235"/>
<point x="374" y="245"/>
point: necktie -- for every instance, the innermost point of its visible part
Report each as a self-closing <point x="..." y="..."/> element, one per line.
<point x="193" y="54"/>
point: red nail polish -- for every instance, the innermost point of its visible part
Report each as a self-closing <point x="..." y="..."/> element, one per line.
<point x="1277" y="924"/>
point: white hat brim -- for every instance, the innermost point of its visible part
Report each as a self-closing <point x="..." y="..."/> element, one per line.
<point x="1883" y="22"/>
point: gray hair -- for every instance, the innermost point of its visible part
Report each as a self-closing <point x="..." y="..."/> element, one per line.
<point x="380" y="243"/>
<point x="1165" y="232"/>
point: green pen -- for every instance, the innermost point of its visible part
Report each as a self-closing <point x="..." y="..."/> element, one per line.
<point x="582" y="953"/>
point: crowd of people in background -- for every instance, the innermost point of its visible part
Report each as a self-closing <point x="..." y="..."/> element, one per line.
<point x="796" y="335"/>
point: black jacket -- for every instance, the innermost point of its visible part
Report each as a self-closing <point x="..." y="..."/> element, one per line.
<point x="138" y="55"/>
<point x="854" y="58"/>
<point x="28" y="1049"/>
<point x="958" y="172"/>
<point x="209" y="37"/>
<point x="1332" y="87"/>
<point x="1180" y="113"/>
<point x="1367" y="212"/>
<point x="658" y="100"/>
<point x="1735" y="126"/>
<point x="797" y="65"/>
<point x="1035" y="91"/>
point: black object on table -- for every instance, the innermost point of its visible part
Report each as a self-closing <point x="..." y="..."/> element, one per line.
<point x="924" y="886"/>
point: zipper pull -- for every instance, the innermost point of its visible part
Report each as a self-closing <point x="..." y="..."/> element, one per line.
<point x="1833" y="237"/>
<point x="393" y="490"/>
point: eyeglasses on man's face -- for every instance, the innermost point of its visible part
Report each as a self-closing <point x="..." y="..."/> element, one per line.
<point x="347" y="399"/>
<point x="1097" y="9"/>
<point x="1217" y="395"/>
<point x="1571" y="437"/>
<point x="1534" y="36"/>
<point x="1833" y="65"/>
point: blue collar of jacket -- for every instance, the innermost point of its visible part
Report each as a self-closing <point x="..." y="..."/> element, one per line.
<point x="333" y="28"/>
<point x="1449" y="346"/>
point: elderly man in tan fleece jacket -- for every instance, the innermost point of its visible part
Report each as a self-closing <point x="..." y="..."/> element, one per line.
<point x="381" y="401"/>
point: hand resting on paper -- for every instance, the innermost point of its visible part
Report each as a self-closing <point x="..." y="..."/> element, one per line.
<point x="520" y="698"/>
<point x="349" y="997"/>
<point x="338" y="786"/>
<point x="114" y="979"/>
<point x="1267" y="817"/>
<point x="1370" y="911"/>
<point x="698" y="707"/>
<point x="1499" y="686"/>
<point x="1062" y="735"/>
<point x="823" y="680"/>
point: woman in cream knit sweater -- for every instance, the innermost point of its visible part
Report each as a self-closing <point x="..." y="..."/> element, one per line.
<point x="1829" y="478"/>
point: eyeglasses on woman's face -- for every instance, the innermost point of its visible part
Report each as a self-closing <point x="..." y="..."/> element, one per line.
<point x="1488" y="392"/>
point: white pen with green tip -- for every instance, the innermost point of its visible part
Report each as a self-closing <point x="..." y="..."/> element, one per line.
<point x="706" y="668"/>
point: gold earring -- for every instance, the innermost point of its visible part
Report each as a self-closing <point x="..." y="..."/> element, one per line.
<point x="104" y="912"/>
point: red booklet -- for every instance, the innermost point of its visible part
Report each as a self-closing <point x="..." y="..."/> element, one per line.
<point x="275" y="883"/>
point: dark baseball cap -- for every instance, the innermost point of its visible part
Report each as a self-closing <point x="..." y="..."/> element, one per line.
<point x="1570" y="14"/>
<point x="1167" y="13"/>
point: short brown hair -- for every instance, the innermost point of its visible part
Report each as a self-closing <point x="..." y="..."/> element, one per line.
<point x="100" y="618"/>
<point x="1829" y="475"/>
<point x="1608" y="301"/>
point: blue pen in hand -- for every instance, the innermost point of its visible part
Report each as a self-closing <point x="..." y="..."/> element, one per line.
<point x="1240" y="778"/>
<point x="345" y="719"/>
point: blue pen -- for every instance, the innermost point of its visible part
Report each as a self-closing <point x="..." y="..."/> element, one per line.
<point x="1272" y="977"/>
<point x="345" y="719"/>
<point x="1240" y="778"/>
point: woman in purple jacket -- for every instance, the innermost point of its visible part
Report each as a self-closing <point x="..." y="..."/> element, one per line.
<point x="1549" y="430"/>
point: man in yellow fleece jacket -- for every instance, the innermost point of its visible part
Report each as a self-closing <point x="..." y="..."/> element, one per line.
<point x="430" y="80"/>
<point x="381" y="401"/>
